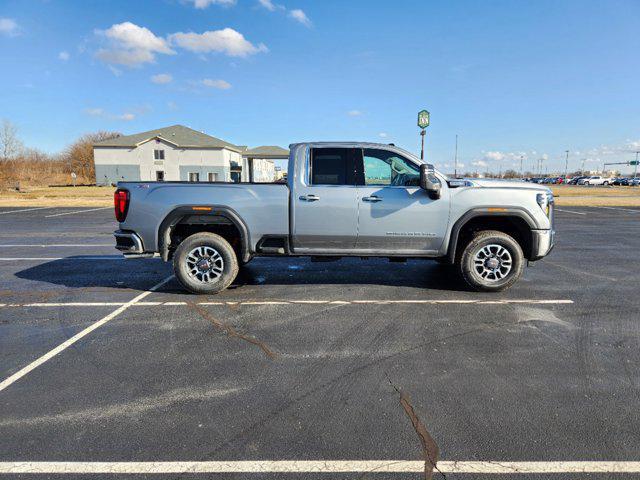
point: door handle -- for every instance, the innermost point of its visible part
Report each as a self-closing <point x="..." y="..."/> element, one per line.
<point x="309" y="198"/>
<point x="372" y="199"/>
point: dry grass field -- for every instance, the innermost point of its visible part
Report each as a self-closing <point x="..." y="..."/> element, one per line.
<point x="574" y="196"/>
<point x="103" y="196"/>
<point x="58" y="196"/>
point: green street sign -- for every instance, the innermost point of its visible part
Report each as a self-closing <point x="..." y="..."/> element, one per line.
<point x="423" y="119"/>
<point x="633" y="162"/>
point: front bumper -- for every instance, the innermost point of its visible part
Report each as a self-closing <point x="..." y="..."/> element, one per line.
<point x="543" y="242"/>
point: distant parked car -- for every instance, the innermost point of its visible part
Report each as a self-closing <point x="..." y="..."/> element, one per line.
<point x="597" y="180"/>
<point x="621" y="181"/>
<point x="634" y="182"/>
<point x="575" y="180"/>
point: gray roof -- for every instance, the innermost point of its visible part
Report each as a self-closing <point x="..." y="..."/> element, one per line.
<point x="179" y="135"/>
<point x="266" y="151"/>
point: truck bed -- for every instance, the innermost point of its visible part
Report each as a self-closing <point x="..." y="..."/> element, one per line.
<point x="264" y="206"/>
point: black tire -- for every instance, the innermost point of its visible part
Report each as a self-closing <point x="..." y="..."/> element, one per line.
<point x="496" y="282"/>
<point x="226" y="263"/>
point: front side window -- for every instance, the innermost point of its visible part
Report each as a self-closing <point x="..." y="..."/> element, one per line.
<point x="332" y="166"/>
<point x="158" y="154"/>
<point x="194" y="177"/>
<point x="385" y="168"/>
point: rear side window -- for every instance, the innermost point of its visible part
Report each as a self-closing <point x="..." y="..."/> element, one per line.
<point x="332" y="166"/>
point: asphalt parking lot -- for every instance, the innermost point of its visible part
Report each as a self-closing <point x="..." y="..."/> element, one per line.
<point x="351" y="369"/>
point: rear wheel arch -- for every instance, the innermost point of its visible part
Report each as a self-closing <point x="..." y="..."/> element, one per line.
<point x="514" y="222"/>
<point x="185" y="221"/>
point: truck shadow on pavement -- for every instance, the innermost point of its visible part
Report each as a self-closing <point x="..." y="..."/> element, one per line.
<point x="141" y="274"/>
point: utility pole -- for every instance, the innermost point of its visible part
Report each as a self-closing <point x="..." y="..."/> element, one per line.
<point x="521" y="172"/>
<point x="582" y="167"/>
<point x="455" y="160"/>
<point x="635" y="170"/>
<point x="566" y="163"/>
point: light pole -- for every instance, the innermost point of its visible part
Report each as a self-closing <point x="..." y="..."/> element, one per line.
<point x="423" y="123"/>
<point x="566" y="163"/>
<point x="455" y="160"/>
<point x="635" y="170"/>
<point x="582" y="167"/>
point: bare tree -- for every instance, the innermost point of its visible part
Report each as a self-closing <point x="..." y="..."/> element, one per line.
<point x="10" y="144"/>
<point x="78" y="157"/>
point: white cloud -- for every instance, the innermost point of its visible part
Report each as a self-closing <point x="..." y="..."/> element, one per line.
<point x="201" y="4"/>
<point x="383" y="135"/>
<point x="480" y="163"/>
<point x="9" y="27"/>
<point x="227" y="41"/>
<point x="101" y="113"/>
<point x="94" y="112"/>
<point x="300" y="16"/>
<point x="219" y="84"/>
<point x="162" y="78"/>
<point x="64" y="56"/>
<point x="354" y="113"/>
<point x="131" y="45"/>
<point x="268" y="4"/>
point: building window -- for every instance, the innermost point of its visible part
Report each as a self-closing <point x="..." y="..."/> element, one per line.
<point x="194" y="177"/>
<point x="212" y="177"/>
<point x="158" y="154"/>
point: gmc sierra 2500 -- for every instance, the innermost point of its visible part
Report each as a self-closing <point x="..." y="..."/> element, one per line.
<point x="340" y="199"/>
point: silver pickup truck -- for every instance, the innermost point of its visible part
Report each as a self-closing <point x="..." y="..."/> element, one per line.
<point x="341" y="199"/>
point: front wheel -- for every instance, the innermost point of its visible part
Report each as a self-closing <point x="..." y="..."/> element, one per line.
<point x="492" y="261"/>
<point x="205" y="263"/>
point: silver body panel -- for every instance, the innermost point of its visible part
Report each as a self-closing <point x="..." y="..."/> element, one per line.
<point x="335" y="219"/>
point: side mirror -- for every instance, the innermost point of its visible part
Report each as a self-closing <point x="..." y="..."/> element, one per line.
<point x="429" y="182"/>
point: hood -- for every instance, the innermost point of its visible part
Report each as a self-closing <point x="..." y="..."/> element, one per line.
<point x="497" y="183"/>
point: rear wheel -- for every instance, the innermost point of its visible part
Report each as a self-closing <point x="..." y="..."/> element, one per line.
<point x="492" y="261"/>
<point x="205" y="263"/>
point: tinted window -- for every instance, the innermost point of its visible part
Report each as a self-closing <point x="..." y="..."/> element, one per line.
<point x="332" y="166"/>
<point x="382" y="167"/>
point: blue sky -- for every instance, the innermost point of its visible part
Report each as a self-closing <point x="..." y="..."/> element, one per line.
<point x="511" y="78"/>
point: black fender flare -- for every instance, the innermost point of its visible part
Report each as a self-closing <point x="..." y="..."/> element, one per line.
<point x="178" y="213"/>
<point x="491" y="211"/>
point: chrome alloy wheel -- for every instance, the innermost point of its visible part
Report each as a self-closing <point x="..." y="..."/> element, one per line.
<point x="205" y="264"/>
<point x="492" y="262"/>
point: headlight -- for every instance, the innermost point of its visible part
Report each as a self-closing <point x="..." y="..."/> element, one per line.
<point x="545" y="200"/>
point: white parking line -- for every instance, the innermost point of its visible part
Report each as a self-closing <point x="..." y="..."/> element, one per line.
<point x="51" y="245"/>
<point x="295" y="302"/>
<point x="88" y="257"/>
<point x="63" y="346"/>
<point x="25" y="210"/>
<point x="320" y="466"/>
<point x="77" y="211"/>
<point x="570" y="211"/>
<point x="621" y="209"/>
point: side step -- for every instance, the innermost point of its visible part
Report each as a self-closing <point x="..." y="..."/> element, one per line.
<point x="321" y="259"/>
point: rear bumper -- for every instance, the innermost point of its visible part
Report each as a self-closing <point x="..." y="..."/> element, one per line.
<point x="128" y="242"/>
<point x="543" y="242"/>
